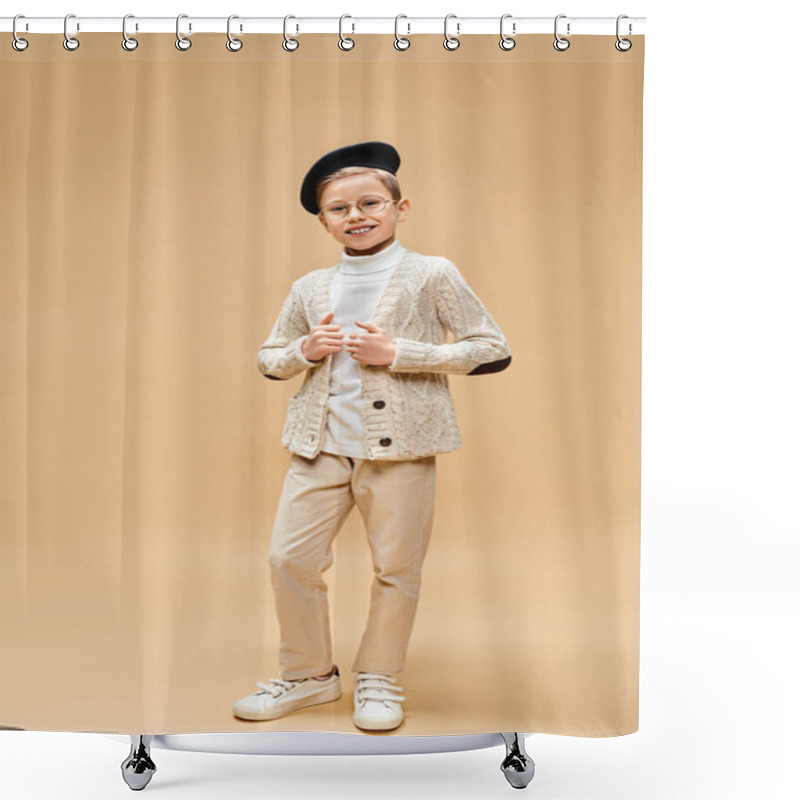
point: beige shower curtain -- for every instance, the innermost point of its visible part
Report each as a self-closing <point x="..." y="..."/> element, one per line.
<point x="151" y="229"/>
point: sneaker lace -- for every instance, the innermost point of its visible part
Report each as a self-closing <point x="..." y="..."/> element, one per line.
<point x="372" y="686"/>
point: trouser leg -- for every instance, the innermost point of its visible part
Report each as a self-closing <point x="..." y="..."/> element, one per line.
<point x="396" y="501"/>
<point x="314" y="503"/>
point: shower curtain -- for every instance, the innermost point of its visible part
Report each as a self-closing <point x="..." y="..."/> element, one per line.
<point x="151" y="231"/>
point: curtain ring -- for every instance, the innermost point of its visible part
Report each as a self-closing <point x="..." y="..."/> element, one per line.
<point x="506" y="42"/>
<point x="17" y="42"/>
<point x="560" y="42"/>
<point x="290" y="44"/>
<point x="623" y="45"/>
<point x="234" y="45"/>
<point x="451" y="42"/>
<point x="128" y="42"/>
<point x="345" y="43"/>
<point x="401" y="43"/>
<point x="182" y="43"/>
<point x="70" y="42"/>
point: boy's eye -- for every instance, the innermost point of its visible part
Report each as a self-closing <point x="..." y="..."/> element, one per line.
<point x="336" y="209"/>
<point x="370" y="202"/>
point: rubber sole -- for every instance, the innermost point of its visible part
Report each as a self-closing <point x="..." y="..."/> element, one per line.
<point x="329" y="695"/>
<point x="375" y="726"/>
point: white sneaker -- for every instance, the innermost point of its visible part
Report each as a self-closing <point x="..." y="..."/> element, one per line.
<point x="377" y="706"/>
<point x="280" y="697"/>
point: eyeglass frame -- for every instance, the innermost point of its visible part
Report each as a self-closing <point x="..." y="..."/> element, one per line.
<point x="386" y="202"/>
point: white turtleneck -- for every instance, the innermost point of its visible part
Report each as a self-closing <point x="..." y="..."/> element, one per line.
<point x="355" y="290"/>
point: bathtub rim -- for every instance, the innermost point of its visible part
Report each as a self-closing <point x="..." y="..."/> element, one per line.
<point x="317" y="743"/>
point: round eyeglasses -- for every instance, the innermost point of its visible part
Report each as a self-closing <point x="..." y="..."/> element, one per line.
<point x="369" y="204"/>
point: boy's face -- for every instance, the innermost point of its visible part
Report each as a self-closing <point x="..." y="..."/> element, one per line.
<point x="381" y="225"/>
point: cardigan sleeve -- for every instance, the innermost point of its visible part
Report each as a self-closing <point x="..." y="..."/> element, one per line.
<point x="479" y="345"/>
<point x="280" y="357"/>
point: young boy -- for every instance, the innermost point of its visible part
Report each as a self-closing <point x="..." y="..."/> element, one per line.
<point x="373" y="411"/>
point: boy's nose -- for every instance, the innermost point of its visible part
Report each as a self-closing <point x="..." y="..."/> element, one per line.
<point x="354" y="210"/>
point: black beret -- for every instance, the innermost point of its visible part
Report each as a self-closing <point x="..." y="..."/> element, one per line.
<point x="364" y="154"/>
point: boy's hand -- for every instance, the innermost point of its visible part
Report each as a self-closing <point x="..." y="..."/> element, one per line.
<point x="325" y="338"/>
<point x="374" y="347"/>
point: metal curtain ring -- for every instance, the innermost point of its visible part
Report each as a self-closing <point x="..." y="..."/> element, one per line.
<point x="451" y="42"/>
<point x="182" y="43"/>
<point x="506" y="42"/>
<point x="290" y="44"/>
<point x="560" y="42"/>
<point x="345" y="43"/>
<point x="234" y="45"/>
<point x="623" y="45"/>
<point x="17" y="42"/>
<point x="70" y="42"/>
<point x="400" y="42"/>
<point x="128" y="42"/>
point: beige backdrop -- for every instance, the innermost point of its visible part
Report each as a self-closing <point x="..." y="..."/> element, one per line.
<point x="151" y="230"/>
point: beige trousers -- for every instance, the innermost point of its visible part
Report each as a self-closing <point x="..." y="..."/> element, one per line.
<point x="396" y="502"/>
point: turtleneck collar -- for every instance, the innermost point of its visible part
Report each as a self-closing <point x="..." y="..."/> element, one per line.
<point x="360" y="265"/>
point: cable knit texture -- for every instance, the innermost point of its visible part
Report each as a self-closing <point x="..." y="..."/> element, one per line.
<point x="407" y="407"/>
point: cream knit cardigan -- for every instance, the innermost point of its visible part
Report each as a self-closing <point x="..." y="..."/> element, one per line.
<point x="407" y="407"/>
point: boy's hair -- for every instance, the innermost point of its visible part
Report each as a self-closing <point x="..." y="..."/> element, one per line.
<point x="386" y="178"/>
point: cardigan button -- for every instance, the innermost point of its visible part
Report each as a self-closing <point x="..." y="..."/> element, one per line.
<point x="386" y="441"/>
<point x="379" y="404"/>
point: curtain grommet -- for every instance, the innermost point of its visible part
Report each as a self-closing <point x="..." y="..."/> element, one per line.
<point x="234" y="45"/>
<point x="623" y="45"/>
<point x="290" y="44"/>
<point x="561" y="44"/>
<point x="345" y="42"/>
<point x="451" y="42"/>
<point x="182" y="42"/>
<point x="507" y="42"/>
<point x="400" y="42"/>
<point x="17" y="42"/>
<point x="129" y="43"/>
<point x="70" y="42"/>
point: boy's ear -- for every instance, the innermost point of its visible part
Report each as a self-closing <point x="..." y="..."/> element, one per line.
<point x="324" y="222"/>
<point x="403" y="208"/>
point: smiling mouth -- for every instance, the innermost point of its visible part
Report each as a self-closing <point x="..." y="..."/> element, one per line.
<point x="360" y="231"/>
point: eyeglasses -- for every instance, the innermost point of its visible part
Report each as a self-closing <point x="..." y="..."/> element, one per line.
<point x="369" y="204"/>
